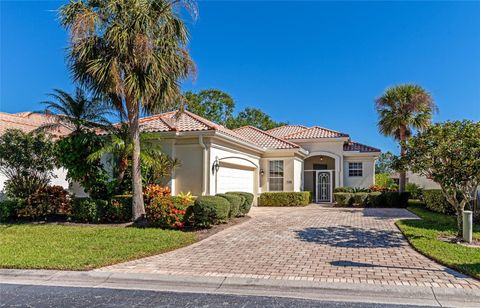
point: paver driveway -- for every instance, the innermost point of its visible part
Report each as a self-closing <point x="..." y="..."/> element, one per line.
<point x="313" y="243"/>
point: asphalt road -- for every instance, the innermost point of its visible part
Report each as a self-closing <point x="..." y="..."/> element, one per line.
<point x="48" y="296"/>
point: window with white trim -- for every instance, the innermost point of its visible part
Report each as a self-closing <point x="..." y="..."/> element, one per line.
<point x="355" y="169"/>
<point x="275" y="175"/>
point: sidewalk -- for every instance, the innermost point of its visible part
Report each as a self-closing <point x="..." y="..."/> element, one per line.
<point x="385" y="294"/>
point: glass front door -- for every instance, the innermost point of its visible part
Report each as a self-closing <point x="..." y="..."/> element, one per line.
<point x="324" y="186"/>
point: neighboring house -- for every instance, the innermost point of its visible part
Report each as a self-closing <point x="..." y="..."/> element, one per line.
<point x="215" y="159"/>
<point x="418" y="179"/>
<point x="27" y="122"/>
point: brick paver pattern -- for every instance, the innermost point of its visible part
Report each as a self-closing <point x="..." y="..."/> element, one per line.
<point x="313" y="243"/>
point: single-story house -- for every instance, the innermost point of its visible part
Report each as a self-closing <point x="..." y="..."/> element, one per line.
<point x="214" y="159"/>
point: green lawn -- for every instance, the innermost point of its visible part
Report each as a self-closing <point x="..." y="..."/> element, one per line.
<point x="82" y="248"/>
<point x="423" y="235"/>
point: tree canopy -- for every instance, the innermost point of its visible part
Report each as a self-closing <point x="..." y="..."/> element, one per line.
<point x="449" y="154"/>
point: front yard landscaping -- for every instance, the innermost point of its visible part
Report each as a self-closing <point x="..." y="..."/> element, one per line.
<point x="424" y="235"/>
<point x="82" y="248"/>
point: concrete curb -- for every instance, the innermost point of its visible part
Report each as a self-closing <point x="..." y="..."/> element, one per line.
<point x="437" y="297"/>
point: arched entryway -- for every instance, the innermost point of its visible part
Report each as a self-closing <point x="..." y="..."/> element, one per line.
<point x="321" y="175"/>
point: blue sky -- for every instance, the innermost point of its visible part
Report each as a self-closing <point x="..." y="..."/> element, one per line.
<point x="311" y="63"/>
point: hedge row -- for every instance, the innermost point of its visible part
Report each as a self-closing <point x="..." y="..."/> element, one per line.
<point x="373" y="199"/>
<point x="435" y="201"/>
<point x="211" y="210"/>
<point x="284" y="198"/>
<point x="119" y="209"/>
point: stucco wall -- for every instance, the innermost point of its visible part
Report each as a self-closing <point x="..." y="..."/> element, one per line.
<point x="188" y="176"/>
<point x="368" y="177"/>
<point x="292" y="174"/>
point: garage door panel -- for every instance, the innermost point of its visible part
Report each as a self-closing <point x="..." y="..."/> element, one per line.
<point x="235" y="179"/>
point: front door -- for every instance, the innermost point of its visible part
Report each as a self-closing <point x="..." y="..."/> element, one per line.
<point x="324" y="186"/>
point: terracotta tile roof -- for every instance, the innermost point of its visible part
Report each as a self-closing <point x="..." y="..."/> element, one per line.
<point x="27" y="122"/>
<point x="358" y="147"/>
<point x="285" y="130"/>
<point x="264" y="139"/>
<point x="314" y="133"/>
<point x="185" y="121"/>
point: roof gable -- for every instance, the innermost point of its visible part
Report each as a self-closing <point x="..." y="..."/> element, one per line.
<point x="285" y="130"/>
<point x="315" y="132"/>
<point x="264" y="139"/>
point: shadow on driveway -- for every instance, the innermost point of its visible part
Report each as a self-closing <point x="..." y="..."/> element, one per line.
<point x="351" y="237"/>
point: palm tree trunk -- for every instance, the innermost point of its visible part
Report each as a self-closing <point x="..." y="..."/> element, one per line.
<point x="402" y="173"/>
<point x="138" y="208"/>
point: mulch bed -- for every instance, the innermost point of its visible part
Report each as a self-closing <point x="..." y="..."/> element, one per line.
<point x="204" y="233"/>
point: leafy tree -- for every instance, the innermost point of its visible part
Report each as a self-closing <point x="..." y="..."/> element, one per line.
<point x="402" y="109"/>
<point x="449" y="154"/>
<point x="134" y="52"/>
<point x="27" y="160"/>
<point x="385" y="163"/>
<point x="384" y="180"/>
<point x="77" y="112"/>
<point x="72" y="153"/>
<point x="214" y="105"/>
<point x="254" y="117"/>
<point x="118" y="146"/>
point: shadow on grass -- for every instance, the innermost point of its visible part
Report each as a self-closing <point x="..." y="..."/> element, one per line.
<point x="351" y="237"/>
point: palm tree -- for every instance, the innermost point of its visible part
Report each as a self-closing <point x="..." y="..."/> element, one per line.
<point x="402" y="109"/>
<point x="119" y="147"/>
<point x="134" y="52"/>
<point x="76" y="112"/>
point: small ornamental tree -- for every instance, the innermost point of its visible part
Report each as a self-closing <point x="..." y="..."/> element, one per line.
<point x="449" y="154"/>
<point x="27" y="161"/>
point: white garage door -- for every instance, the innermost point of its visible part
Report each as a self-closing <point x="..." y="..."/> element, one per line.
<point x="231" y="178"/>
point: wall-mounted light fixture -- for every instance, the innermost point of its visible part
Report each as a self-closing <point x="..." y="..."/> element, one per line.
<point x="262" y="172"/>
<point x="216" y="166"/>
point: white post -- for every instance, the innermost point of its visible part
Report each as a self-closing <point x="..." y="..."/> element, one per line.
<point x="467" y="226"/>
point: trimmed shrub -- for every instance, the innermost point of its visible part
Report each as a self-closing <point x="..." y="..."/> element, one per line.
<point x="48" y="200"/>
<point x="247" y="204"/>
<point x="85" y="210"/>
<point x="235" y="202"/>
<point x="435" y="201"/>
<point x="376" y="199"/>
<point x="209" y="210"/>
<point x="284" y="198"/>
<point x="161" y="212"/>
<point x="343" y="198"/>
<point x="8" y="209"/>
<point x="182" y="203"/>
<point x="395" y="199"/>
<point x="414" y="190"/>
<point x="343" y="190"/>
<point x="360" y="198"/>
<point x="119" y="209"/>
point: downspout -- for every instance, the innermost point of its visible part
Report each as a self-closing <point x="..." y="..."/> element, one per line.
<point x="205" y="164"/>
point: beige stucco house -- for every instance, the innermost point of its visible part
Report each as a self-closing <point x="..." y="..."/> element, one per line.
<point x="215" y="159"/>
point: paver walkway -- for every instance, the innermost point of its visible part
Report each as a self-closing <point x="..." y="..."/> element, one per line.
<point x="313" y="243"/>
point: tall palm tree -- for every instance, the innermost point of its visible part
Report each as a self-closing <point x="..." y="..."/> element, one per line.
<point x="134" y="52"/>
<point x="401" y="110"/>
<point x="76" y="112"/>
